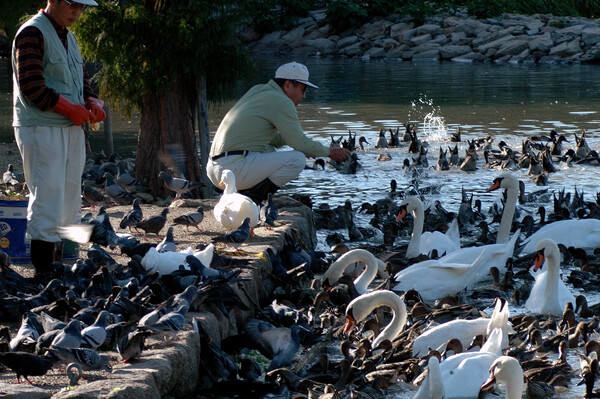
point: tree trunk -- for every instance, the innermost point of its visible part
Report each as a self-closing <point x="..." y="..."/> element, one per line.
<point x="204" y="136"/>
<point x="166" y="119"/>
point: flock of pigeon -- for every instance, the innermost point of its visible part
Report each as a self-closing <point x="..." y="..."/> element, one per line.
<point x="433" y="340"/>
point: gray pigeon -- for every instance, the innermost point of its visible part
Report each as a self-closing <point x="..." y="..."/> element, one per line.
<point x="269" y="212"/>
<point x="88" y="359"/>
<point x="93" y="336"/>
<point x="92" y="196"/>
<point x="117" y="193"/>
<point x="70" y="336"/>
<point x="239" y="235"/>
<point x="154" y="224"/>
<point x="171" y="323"/>
<point x="131" y="346"/>
<point x="178" y="185"/>
<point x="168" y="243"/>
<point x="190" y="219"/>
<point x="133" y="216"/>
<point x="10" y="177"/>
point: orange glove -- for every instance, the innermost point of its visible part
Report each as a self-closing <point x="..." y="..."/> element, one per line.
<point x="97" y="107"/>
<point x="75" y="112"/>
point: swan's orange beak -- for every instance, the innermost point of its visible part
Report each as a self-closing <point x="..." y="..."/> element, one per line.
<point x="539" y="260"/>
<point x="489" y="382"/>
<point x="401" y="214"/>
<point x="221" y="184"/>
<point x="494" y="186"/>
<point x="350" y="323"/>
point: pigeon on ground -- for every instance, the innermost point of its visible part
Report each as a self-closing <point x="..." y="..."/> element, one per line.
<point x="26" y="335"/>
<point x="131" y="346"/>
<point x="269" y="212"/>
<point x="10" y="177"/>
<point x="278" y="344"/>
<point x="92" y="196"/>
<point x="168" y="243"/>
<point x="190" y="219"/>
<point x="178" y="185"/>
<point x="96" y="229"/>
<point x="117" y="193"/>
<point x="133" y="216"/>
<point x="70" y="336"/>
<point x="239" y="235"/>
<point x="26" y="364"/>
<point x="93" y="336"/>
<point x="129" y="182"/>
<point x="154" y="224"/>
<point x="88" y="359"/>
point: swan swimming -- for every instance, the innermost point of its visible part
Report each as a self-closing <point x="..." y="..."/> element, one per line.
<point x="372" y="267"/>
<point x="549" y="293"/>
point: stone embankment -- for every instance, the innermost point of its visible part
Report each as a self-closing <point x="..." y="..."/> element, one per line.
<point x="536" y="39"/>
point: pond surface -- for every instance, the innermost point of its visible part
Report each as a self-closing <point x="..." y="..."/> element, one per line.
<point x="509" y="102"/>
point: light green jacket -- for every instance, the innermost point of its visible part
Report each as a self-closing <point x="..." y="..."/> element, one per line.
<point x="264" y="118"/>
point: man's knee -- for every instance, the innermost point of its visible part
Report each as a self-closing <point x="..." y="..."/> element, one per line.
<point x="297" y="161"/>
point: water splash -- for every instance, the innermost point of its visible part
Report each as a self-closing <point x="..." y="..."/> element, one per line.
<point x="433" y="126"/>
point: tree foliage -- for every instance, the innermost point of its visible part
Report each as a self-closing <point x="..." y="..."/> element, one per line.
<point x="144" y="46"/>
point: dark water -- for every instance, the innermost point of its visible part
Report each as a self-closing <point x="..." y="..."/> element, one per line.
<point x="509" y="102"/>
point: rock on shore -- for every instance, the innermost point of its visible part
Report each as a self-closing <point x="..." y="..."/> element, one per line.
<point x="535" y="39"/>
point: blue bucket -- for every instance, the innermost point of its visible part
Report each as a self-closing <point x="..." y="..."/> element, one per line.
<point x="13" y="225"/>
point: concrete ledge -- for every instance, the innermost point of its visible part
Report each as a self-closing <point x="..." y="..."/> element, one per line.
<point x="173" y="371"/>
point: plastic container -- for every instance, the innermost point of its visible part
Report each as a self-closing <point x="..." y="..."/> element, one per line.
<point x="13" y="225"/>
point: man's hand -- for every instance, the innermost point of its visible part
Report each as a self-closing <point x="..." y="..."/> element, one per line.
<point x="338" y="154"/>
<point x="78" y="114"/>
<point x="97" y="107"/>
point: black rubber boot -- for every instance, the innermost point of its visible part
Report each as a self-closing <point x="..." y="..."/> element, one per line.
<point x="58" y="251"/>
<point x="42" y="255"/>
<point x="260" y="192"/>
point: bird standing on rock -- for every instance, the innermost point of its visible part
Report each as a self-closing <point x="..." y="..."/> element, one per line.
<point x="154" y="224"/>
<point x="239" y="235"/>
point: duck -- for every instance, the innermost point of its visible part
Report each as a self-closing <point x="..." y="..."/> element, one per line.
<point x="359" y="308"/>
<point x="464" y="330"/>
<point x="425" y="243"/>
<point x="549" y="293"/>
<point x="507" y="370"/>
<point x="464" y="373"/>
<point x="233" y="207"/>
<point x="373" y="265"/>
<point x="582" y="233"/>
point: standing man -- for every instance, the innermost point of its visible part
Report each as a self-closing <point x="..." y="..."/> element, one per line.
<point x="263" y="119"/>
<point x="52" y="98"/>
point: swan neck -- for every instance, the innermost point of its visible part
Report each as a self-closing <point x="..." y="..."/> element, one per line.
<point x="396" y="325"/>
<point x="361" y="283"/>
<point x="507" y="215"/>
<point x="413" y="249"/>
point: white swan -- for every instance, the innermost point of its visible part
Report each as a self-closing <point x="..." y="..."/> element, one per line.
<point x="233" y="207"/>
<point x="464" y="373"/>
<point x="506" y="369"/>
<point x="372" y="266"/>
<point x="362" y="306"/>
<point x="579" y="233"/>
<point x="432" y="386"/>
<point x="549" y="294"/>
<point x="465" y="330"/>
<point x="425" y="243"/>
<point x="498" y="253"/>
<point x="434" y="279"/>
<point x="511" y="184"/>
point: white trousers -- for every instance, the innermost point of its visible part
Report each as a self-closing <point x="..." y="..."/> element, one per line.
<point x="53" y="161"/>
<point x="279" y="166"/>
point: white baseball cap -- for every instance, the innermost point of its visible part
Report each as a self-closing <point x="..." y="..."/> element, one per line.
<point x="86" y="2"/>
<point x="294" y="71"/>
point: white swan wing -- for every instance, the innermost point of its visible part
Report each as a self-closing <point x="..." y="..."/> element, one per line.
<point x="436" y="336"/>
<point x="438" y="241"/>
<point x="583" y="233"/>
<point x="464" y="373"/>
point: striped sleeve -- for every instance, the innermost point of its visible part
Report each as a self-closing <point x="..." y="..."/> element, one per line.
<point x="29" y="53"/>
